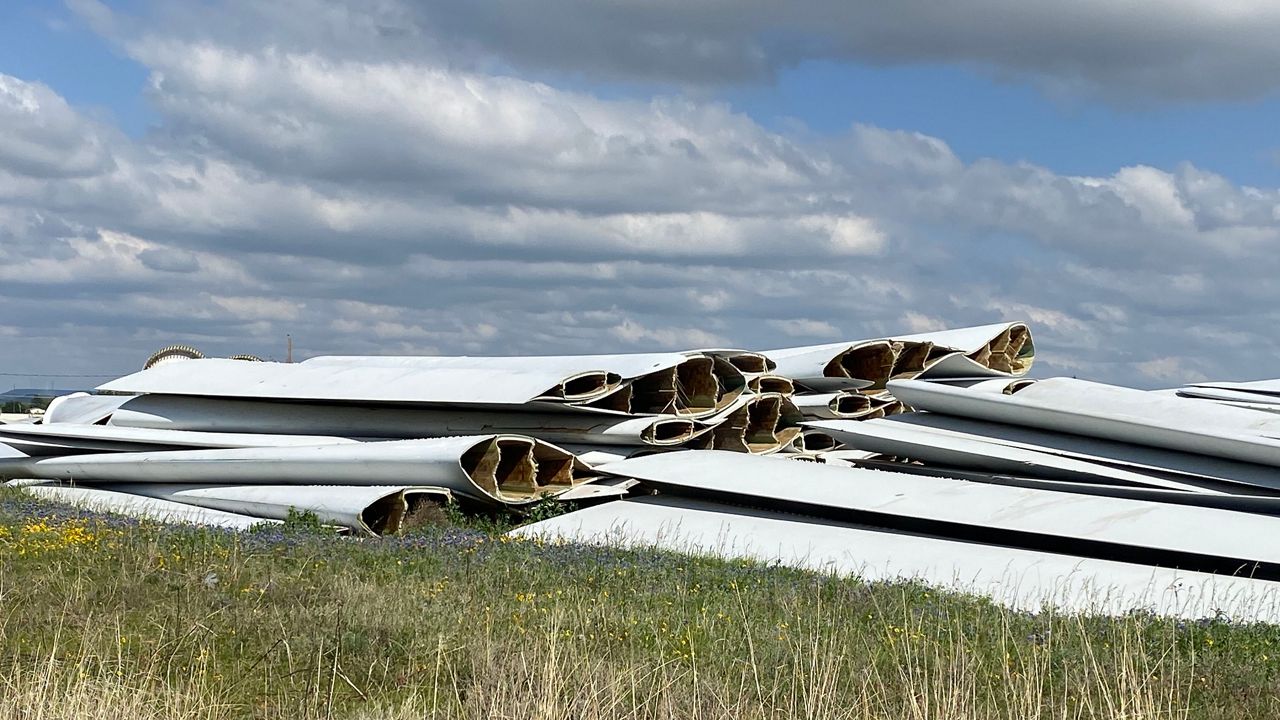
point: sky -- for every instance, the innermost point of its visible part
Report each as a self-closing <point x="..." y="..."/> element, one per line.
<point x="565" y="176"/>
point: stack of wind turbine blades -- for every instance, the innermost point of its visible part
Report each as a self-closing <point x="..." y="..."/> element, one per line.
<point x="400" y="421"/>
<point x="187" y="418"/>
<point x="1172" y="465"/>
<point x="1107" y="412"/>
<point x="1100" y="527"/>
<point x="493" y="469"/>
<point x="1249" y="503"/>
<point x="816" y="440"/>
<point x="941" y="448"/>
<point x="1005" y="349"/>
<point x="75" y="438"/>
<point x="690" y="384"/>
<point x="758" y="424"/>
<point x="82" y="408"/>
<point x="771" y="384"/>
<point x="757" y="369"/>
<point x="1262" y="395"/>
<point x="142" y="507"/>
<point x="698" y="386"/>
<point x="836" y="366"/>
<point x="844" y="405"/>
<point x="847" y="457"/>
<point x="654" y="399"/>
<point x="600" y="454"/>
<point x="750" y="364"/>
<point x="1258" y="391"/>
<point x="364" y="509"/>
<point x="427" y="380"/>
<point x="1028" y="580"/>
<point x="867" y="366"/>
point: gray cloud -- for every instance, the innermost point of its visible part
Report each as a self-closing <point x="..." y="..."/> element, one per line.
<point x="1183" y="50"/>
<point x="45" y="138"/>
<point x="169" y="260"/>
<point x="364" y="199"/>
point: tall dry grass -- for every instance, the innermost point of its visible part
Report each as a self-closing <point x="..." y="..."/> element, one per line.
<point x="817" y="667"/>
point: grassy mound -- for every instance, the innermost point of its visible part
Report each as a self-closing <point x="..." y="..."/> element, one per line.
<point x="109" y="618"/>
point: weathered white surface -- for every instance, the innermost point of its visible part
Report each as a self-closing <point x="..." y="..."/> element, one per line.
<point x="171" y="412"/>
<point x="688" y="384"/>
<point x="472" y="466"/>
<point x="1262" y="504"/>
<point x="73" y="437"/>
<point x="145" y="508"/>
<point x="366" y="509"/>
<point x="626" y="365"/>
<point x="1261" y="387"/>
<point x="845" y="456"/>
<point x="601" y="489"/>
<point x="695" y="383"/>
<point x="1021" y="579"/>
<point x="1109" y="412"/>
<point x="1260" y="401"/>
<point x="600" y="454"/>
<point x="498" y="381"/>
<point x="998" y="386"/>
<point x="82" y="408"/>
<point x="1234" y="396"/>
<point x="1178" y="466"/>
<point x="1260" y="407"/>
<point x="1133" y="523"/>
<point x="941" y="447"/>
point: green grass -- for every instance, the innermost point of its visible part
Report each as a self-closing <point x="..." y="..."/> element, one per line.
<point x="110" y="619"/>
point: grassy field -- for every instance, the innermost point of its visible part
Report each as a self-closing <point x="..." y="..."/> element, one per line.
<point x="107" y="618"/>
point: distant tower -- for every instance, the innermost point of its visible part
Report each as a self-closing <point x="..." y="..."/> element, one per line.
<point x="288" y="356"/>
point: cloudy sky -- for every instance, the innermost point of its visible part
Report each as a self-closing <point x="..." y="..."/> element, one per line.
<point x="405" y="176"/>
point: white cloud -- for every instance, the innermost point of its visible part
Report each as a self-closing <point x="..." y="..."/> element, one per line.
<point x="802" y="327"/>
<point x="372" y="199"/>
<point x="43" y="136"/>
<point x="431" y="127"/>
<point x="921" y="323"/>
<point x="259" y="308"/>
<point x="1154" y="194"/>
<point x="1170" y="370"/>
<point x="665" y="338"/>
